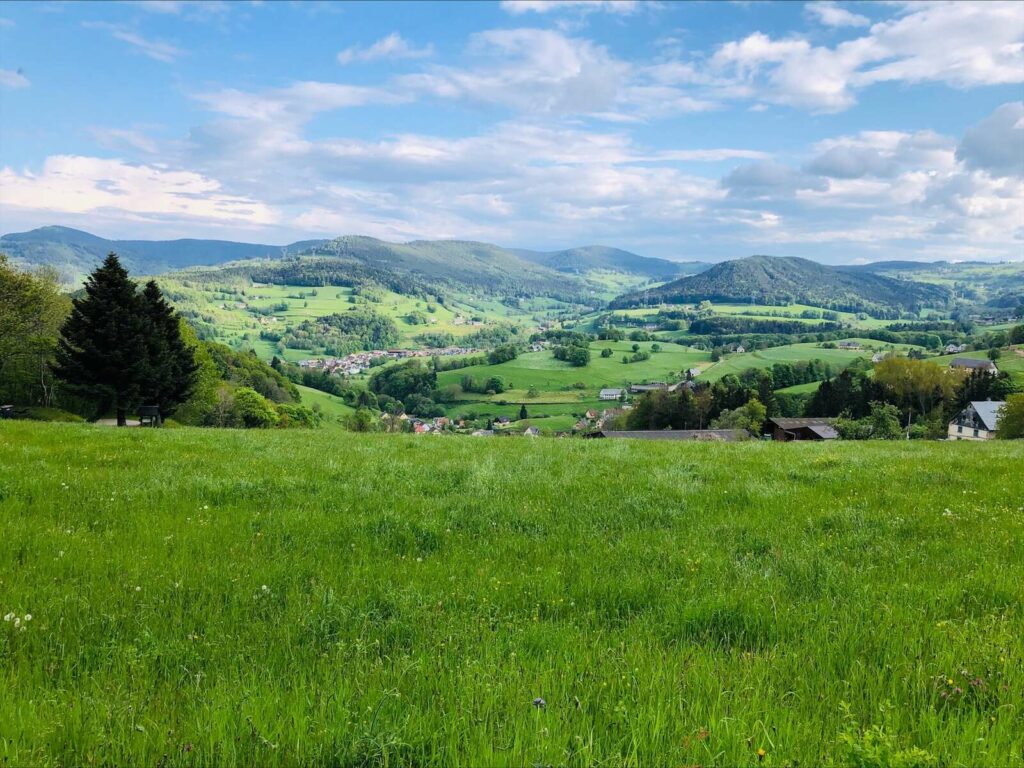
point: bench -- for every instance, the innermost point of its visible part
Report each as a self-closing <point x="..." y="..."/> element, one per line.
<point x="149" y="415"/>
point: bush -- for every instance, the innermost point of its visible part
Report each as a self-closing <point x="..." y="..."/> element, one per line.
<point x="252" y="410"/>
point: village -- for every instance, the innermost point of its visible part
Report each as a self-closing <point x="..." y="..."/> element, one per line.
<point x="360" y="362"/>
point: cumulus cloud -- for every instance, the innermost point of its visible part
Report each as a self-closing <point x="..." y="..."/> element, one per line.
<point x="10" y="78"/>
<point x="154" y="49"/>
<point x="771" y="178"/>
<point x="517" y="7"/>
<point x="981" y="44"/>
<point x="996" y="144"/>
<point x="832" y="15"/>
<point x="394" y="46"/>
<point x="72" y="184"/>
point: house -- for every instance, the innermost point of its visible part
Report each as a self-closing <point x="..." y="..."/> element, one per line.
<point x="849" y="345"/>
<point x="978" y="421"/>
<point x="786" y="430"/>
<point x="609" y="394"/>
<point x="953" y="349"/>
<point x="973" y="364"/>
<point x="711" y="435"/>
<point x="693" y="373"/>
<point x="591" y="415"/>
<point x="740" y="348"/>
<point x="483" y="433"/>
<point x="502" y="420"/>
<point x="878" y="357"/>
<point x="654" y="386"/>
<point x="531" y="432"/>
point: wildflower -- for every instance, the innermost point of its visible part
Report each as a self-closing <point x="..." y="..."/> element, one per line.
<point x="539" y="703"/>
<point x="265" y="588"/>
<point x="138" y="589"/>
<point x="17" y="622"/>
<point x="28" y="617"/>
<point x="761" y="753"/>
<point x="8" y="617"/>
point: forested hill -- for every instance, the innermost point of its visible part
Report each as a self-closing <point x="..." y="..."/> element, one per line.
<point x="778" y="279"/>
<point x="75" y="253"/>
<point x="598" y="257"/>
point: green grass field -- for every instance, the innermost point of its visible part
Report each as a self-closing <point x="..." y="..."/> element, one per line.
<point x="542" y="371"/>
<point x="202" y="597"/>
<point x="792" y="353"/>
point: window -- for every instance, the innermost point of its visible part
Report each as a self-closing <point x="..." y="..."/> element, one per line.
<point x="975" y="433"/>
<point x="960" y="428"/>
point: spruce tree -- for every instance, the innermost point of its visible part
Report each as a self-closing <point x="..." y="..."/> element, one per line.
<point x="172" y="366"/>
<point x="522" y="412"/>
<point x="102" y="354"/>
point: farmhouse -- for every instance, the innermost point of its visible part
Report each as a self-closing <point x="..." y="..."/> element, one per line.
<point x="692" y="373"/>
<point x="973" y="364"/>
<point x="953" y="349"/>
<point x="849" y="345"/>
<point x="531" y="432"/>
<point x="978" y="421"/>
<point x="786" y="430"/>
<point x="654" y="386"/>
<point x="609" y="394"/>
<point x="713" y="435"/>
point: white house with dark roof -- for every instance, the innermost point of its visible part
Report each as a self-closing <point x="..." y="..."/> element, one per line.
<point x="973" y="364"/>
<point x="609" y="394"/>
<point x="978" y="421"/>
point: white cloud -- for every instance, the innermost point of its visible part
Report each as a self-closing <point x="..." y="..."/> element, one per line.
<point x="10" y="78"/>
<point x="154" y="49"/>
<point x="72" y="184"/>
<point x="831" y="15"/>
<point x="517" y="7"/>
<point x="394" y="46"/>
<point x="5" y="22"/>
<point x="981" y="44"/>
<point x="996" y="144"/>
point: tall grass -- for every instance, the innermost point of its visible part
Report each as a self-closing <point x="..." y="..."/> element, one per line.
<point x="216" y="597"/>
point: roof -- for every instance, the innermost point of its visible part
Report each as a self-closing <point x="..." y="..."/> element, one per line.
<point x="726" y="435"/>
<point x="824" y="431"/>
<point x="613" y="391"/>
<point x="801" y="423"/>
<point x="988" y="412"/>
<point x="970" y="362"/>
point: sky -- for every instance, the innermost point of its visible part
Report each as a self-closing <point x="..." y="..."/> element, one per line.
<point x="843" y="132"/>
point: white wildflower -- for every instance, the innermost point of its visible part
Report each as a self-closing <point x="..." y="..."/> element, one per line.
<point x="17" y="622"/>
<point x="8" y="616"/>
<point x="28" y="617"/>
<point x="265" y="588"/>
<point x="138" y="589"/>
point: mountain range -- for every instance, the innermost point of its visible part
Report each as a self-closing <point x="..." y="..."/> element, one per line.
<point x="574" y="274"/>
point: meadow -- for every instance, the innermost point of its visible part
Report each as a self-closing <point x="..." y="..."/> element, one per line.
<point x="543" y="372"/>
<point x="204" y="597"/>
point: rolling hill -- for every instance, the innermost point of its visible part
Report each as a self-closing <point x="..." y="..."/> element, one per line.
<point x="75" y="253"/>
<point x="598" y="257"/>
<point x="775" y="279"/>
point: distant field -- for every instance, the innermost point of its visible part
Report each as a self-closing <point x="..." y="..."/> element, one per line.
<point x="765" y="358"/>
<point x="542" y="371"/>
<point x="279" y="598"/>
<point x="234" y="322"/>
<point x="332" y="406"/>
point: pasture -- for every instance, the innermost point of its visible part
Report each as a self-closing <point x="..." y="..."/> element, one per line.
<point x="202" y="597"/>
<point x="543" y="372"/>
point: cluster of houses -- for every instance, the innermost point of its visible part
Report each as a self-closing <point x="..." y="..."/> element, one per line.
<point x="359" y="362"/>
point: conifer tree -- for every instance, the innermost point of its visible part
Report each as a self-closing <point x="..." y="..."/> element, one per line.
<point x="172" y="366"/>
<point x="102" y="354"/>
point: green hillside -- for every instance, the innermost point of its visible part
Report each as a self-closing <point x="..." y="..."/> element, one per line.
<point x="598" y="257"/>
<point x="75" y="253"/>
<point x="285" y="598"/>
<point x="773" y="280"/>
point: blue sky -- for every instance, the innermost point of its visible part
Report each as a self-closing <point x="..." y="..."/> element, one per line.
<point x="844" y="132"/>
